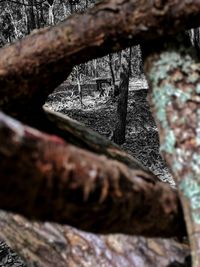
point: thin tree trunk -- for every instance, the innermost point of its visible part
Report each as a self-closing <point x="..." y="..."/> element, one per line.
<point x="112" y="73"/>
<point x="120" y="128"/>
<point x="51" y="14"/>
<point x="31" y="16"/>
<point x="78" y="75"/>
<point x="64" y="9"/>
<point x="95" y="68"/>
<point x="37" y="15"/>
<point x="197" y="40"/>
<point x="66" y="184"/>
<point x="42" y="21"/>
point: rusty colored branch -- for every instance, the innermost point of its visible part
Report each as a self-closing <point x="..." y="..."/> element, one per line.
<point x="86" y="138"/>
<point x="34" y="66"/>
<point x="53" y="180"/>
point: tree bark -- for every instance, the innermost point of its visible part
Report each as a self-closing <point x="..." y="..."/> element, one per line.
<point x="84" y="137"/>
<point x="33" y="67"/>
<point x="120" y="128"/>
<point x="66" y="184"/>
<point x="174" y="74"/>
<point x="110" y="58"/>
<point x="31" y="16"/>
<point x="50" y="245"/>
<point x="78" y="78"/>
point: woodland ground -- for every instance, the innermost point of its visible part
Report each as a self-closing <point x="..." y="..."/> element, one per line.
<point x="99" y="113"/>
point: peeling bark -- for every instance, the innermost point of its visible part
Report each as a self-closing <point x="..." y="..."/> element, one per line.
<point x="50" y="245"/>
<point x="53" y="180"/>
<point x="174" y="74"/>
<point x="34" y="66"/>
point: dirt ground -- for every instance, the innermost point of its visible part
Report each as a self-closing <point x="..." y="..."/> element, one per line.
<point x="99" y="114"/>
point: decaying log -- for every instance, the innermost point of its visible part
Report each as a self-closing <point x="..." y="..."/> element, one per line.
<point x="78" y="134"/>
<point x="174" y="74"/>
<point x="53" y="180"/>
<point x="34" y="66"/>
<point x="50" y="245"/>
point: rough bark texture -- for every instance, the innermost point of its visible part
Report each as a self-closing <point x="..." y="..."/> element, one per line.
<point x="52" y="180"/>
<point x="120" y="127"/>
<point x="50" y="245"/>
<point x="80" y="135"/>
<point x="34" y="66"/>
<point x="174" y="75"/>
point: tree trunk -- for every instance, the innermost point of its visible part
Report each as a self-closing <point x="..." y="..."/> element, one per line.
<point x="66" y="184"/>
<point x="120" y="128"/>
<point x="51" y="14"/>
<point x="175" y="99"/>
<point x="37" y="15"/>
<point x="78" y="76"/>
<point x="95" y="73"/>
<point x="50" y="245"/>
<point x="31" y="16"/>
<point x="112" y="73"/>
<point x="196" y="41"/>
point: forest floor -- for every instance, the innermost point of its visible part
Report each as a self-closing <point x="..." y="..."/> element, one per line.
<point x="99" y="113"/>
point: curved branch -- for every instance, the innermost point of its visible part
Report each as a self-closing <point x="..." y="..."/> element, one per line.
<point x="53" y="180"/>
<point x="33" y="67"/>
<point x="78" y="133"/>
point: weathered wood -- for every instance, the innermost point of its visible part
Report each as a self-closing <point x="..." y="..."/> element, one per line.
<point x="78" y="134"/>
<point x="174" y="73"/>
<point x="50" y="245"/>
<point x="34" y="66"/>
<point x="53" y="180"/>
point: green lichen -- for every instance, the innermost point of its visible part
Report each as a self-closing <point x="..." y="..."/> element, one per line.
<point x="198" y="88"/>
<point x="177" y="166"/>
<point x="195" y="164"/>
<point x="193" y="78"/>
<point x="191" y="190"/>
<point x="196" y="217"/>
<point x="169" y="142"/>
<point x="195" y="202"/>
<point x="190" y="187"/>
<point x="182" y="96"/>
<point x="170" y="70"/>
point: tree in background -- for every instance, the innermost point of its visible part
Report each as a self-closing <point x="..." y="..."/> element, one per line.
<point x="120" y="128"/>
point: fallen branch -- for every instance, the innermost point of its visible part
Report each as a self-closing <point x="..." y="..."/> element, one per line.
<point x="50" y="245"/>
<point x="34" y="66"/>
<point x="77" y="133"/>
<point x="53" y="180"/>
